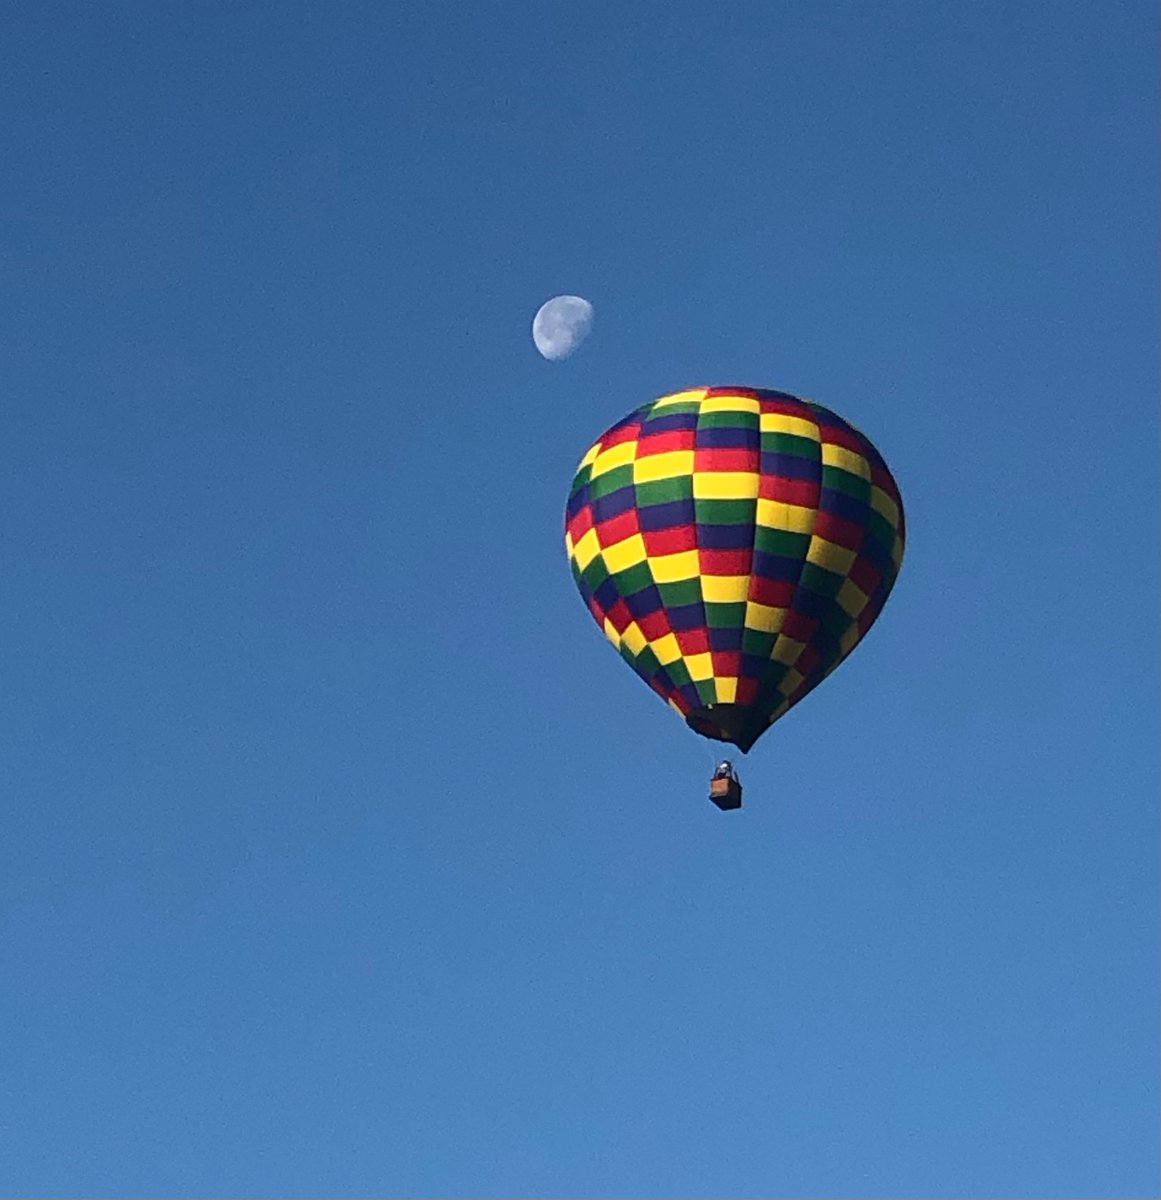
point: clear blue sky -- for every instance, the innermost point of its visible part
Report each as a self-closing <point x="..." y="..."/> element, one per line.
<point x="338" y="852"/>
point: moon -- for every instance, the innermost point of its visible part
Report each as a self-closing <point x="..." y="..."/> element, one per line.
<point x="560" y="325"/>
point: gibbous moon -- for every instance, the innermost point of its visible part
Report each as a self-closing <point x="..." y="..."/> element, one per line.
<point x="560" y="325"/>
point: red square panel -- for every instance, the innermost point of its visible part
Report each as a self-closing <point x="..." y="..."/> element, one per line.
<point x="669" y="541"/>
<point x="617" y="529"/>
<point x="693" y="641"/>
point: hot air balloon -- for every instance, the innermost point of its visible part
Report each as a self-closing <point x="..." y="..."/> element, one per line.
<point x="734" y="544"/>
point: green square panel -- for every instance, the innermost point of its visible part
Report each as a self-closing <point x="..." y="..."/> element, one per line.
<point x="790" y="443"/>
<point x="881" y="530"/>
<point x="757" y="643"/>
<point x="684" y="591"/>
<point x="724" y="616"/>
<point x="679" y="673"/>
<point x="725" y="512"/>
<point x="843" y="481"/>
<point x="633" y="579"/>
<point x="612" y="481"/>
<point x="728" y="420"/>
<point x="772" y="676"/>
<point x="647" y="663"/>
<point x="833" y="622"/>
<point x="668" y="410"/>
<point x="820" y="581"/>
<point x="781" y="542"/>
<point x="664" y="491"/>
<point x="596" y="573"/>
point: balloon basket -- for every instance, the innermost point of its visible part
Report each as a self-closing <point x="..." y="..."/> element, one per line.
<point x="726" y="793"/>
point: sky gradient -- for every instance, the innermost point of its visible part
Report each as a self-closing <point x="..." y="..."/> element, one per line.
<point x="339" y="853"/>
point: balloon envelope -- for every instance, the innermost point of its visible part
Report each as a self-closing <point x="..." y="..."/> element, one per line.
<point x="734" y="544"/>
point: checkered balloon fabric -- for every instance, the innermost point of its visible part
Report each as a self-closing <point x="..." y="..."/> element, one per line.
<point x="734" y="544"/>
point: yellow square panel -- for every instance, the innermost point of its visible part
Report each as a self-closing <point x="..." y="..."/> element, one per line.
<point x="786" y="650"/>
<point x="781" y="423"/>
<point x="790" y="682"/>
<point x="846" y="460"/>
<point x="615" y="456"/>
<point x="725" y="485"/>
<point x="727" y="689"/>
<point x="897" y="552"/>
<point x="626" y="553"/>
<point x="827" y="555"/>
<point x="611" y="633"/>
<point x="848" y="641"/>
<point x="764" y="617"/>
<point x="680" y="398"/>
<point x="590" y="455"/>
<point x="667" y="649"/>
<point x="884" y="505"/>
<point x="777" y="514"/>
<point x="700" y="666"/>
<point x="725" y="589"/>
<point x="730" y="404"/>
<point x="586" y="549"/>
<point x="672" y="464"/>
<point x="673" y="568"/>
<point x="852" y="599"/>
<point x="634" y="638"/>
